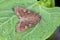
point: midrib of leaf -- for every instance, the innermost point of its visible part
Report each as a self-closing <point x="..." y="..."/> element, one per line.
<point x="4" y="10"/>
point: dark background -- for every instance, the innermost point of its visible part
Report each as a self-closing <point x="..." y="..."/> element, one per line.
<point x="55" y="35"/>
<point x="57" y="3"/>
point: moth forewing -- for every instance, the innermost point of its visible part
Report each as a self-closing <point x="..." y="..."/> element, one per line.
<point x="27" y="18"/>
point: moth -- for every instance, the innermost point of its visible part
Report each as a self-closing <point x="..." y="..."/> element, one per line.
<point x="27" y="18"/>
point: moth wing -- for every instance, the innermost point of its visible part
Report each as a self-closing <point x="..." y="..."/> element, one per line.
<point x="19" y="11"/>
<point x="22" y="25"/>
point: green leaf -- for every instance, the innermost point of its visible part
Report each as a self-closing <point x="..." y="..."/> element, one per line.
<point x="47" y="3"/>
<point x="49" y="21"/>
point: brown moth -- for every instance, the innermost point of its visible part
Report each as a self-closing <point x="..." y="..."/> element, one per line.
<point x="27" y="18"/>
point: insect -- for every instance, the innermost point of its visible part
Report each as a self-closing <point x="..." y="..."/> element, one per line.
<point x="27" y="18"/>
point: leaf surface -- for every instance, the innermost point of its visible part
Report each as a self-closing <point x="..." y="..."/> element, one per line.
<point x="49" y="21"/>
